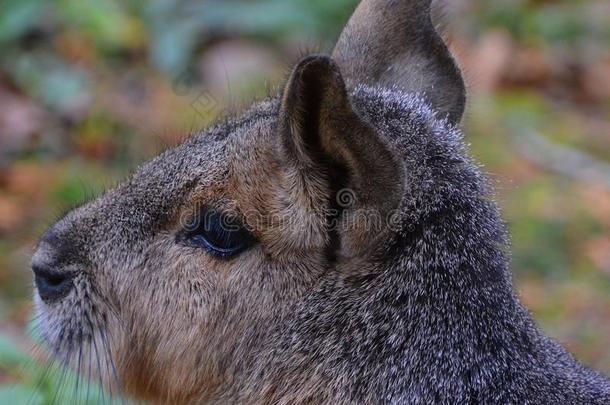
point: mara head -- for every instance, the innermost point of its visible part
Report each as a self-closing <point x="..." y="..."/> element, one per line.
<point x="173" y="283"/>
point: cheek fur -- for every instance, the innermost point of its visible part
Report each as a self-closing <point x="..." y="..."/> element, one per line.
<point x="81" y="332"/>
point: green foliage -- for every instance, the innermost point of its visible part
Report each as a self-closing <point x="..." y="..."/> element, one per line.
<point x="557" y="22"/>
<point x="49" y="79"/>
<point x="10" y="354"/>
<point x="78" y="183"/>
<point x="177" y="26"/>
<point x="109" y="24"/>
<point x="17" y="17"/>
<point x="170" y="29"/>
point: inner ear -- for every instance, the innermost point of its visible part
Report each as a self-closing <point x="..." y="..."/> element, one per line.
<point x="329" y="148"/>
<point x="314" y="100"/>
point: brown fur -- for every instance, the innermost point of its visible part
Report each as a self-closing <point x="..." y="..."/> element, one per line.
<point x="376" y="274"/>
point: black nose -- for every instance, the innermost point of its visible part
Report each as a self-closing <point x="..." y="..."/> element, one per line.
<point x="52" y="280"/>
<point x="52" y="285"/>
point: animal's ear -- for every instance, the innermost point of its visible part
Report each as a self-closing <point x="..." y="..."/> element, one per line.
<point x="334" y="156"/>
<point x="394" y="43"/>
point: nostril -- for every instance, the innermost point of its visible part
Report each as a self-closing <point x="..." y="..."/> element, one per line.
<point x="49" y="263"/>
<point x="52" y="285"/>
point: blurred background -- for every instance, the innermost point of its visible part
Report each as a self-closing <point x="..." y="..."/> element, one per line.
<point x="89" y="89"/>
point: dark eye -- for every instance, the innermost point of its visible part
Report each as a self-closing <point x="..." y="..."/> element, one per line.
<point x="223" y="235"/>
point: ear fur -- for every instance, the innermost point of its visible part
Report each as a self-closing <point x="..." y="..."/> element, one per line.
<point x="394" y="43"/>
<point x="324" y="140"/>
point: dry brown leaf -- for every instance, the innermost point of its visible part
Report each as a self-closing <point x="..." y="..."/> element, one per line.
<point x="11" y="214"/>
<point x="530" y="66"/>
<point x="598" y="250"/>
<point x="596" y="80"/>
<point x="489" y="60"/>
<point x="28" y="180"/>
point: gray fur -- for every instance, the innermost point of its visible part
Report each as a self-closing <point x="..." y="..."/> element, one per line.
<point x="395" y="43"/>
<point x="423" y="312"/>
<point x="438" y="321"/>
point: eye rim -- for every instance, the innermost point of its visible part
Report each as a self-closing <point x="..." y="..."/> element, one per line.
<point x="197" y="235"/>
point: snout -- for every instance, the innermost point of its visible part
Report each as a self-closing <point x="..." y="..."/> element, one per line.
<point x="53" y="281"/>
